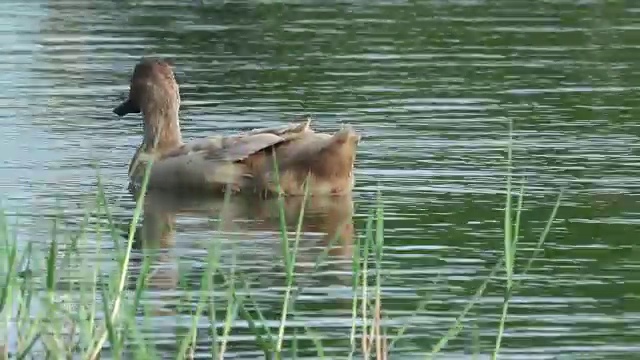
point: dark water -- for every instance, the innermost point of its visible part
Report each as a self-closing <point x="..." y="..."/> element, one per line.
<point x="430" y="84"/>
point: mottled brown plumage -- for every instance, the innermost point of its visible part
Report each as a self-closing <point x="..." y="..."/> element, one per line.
<point x="244" y="161"/>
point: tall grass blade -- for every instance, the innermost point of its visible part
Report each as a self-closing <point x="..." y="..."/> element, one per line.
<point x="141" y="284"/>
<point x="317" y="342"/>
<point x="509" y="285"/>
<point x="365" y="273"/>
<point x="27" y="350"/>
<point x="6" y="285"/>
<point x="508" y="238"/>
<point x="232" y="311"/>
<point x="516" y="229"/>
<point x="545" y="232"/>
<point x="455" y="329"/>
<point x="259" y="329"/>
<point x="51" y="263"/>
<point x="265" y="346"/>
<point x="291" y="267"/>
<point x="422" y="305"/>
<point x="189" y="340"/>
<point x="111" y="331"/>
<point x="294" y="345"/>
<point x="125" y="262"/>
<point x="378" y="248"/>
<point x="141" y="349"/>
<point x="355" y="277"/>
<point x="103" y="203"/>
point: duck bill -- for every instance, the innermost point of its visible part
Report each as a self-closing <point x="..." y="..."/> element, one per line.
<point x="126" y="107"/>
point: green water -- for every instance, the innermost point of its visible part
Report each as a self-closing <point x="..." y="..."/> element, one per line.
<point x="429" y="84"/>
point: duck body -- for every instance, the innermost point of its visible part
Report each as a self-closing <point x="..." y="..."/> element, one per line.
<point x="267" y="160"/>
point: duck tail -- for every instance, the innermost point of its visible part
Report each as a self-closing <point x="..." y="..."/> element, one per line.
<point x="346" y="135"/>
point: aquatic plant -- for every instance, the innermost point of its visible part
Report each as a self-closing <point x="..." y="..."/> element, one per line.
<point x="103" y="315"/>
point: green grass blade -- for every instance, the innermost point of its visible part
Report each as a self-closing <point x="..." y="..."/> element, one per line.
<point x="125" y="261"/>
<point x="27" y="350"/>
<point x="378" y="249"/>
<point x="365" y="280"/>
<point x="141" y="284"/>
<point x="509" y="286"/>
<point x="102" y="201"/>
<point x="263" y="328"/>
<point x="6" y="285"/>
<point x="316" y="341"/>
<point x="455" y="329"/>
<point x="111" y="332"/>
<point x="265" y="346"/>
<point x="545" y="232"/>
<point x="51" y="265"/>
<point x="232" y="312"/>
<point x="508" y="227"/>
<point x="516" y="229"/>
<point x="422" y="305"/>
<point x="355" y="277"/>
<point x="290" y="267"/>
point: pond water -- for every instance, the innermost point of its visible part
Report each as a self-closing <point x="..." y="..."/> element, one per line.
<point x="431" y="86"/>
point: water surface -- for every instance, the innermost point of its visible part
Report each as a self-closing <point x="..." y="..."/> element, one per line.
<point x="430" y="84"/>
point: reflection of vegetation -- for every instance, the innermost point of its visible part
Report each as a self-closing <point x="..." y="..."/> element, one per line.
<point x="106" y="308"/>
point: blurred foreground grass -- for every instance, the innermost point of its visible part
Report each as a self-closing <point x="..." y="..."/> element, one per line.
<point x="103" y="315"/>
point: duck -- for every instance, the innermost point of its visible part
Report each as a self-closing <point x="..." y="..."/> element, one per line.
<point x="290" y="159"/>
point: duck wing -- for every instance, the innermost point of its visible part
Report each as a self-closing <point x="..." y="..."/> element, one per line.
<point x="240" y="146"/>
<point x="212" y="162"/>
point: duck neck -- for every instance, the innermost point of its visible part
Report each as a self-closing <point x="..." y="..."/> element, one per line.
<point x="161" y="130"/>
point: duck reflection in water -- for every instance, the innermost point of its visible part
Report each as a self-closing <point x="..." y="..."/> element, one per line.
<point x="248" y="229"/>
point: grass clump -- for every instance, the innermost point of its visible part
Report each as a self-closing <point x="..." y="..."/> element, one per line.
<point x="105" y="313"/>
